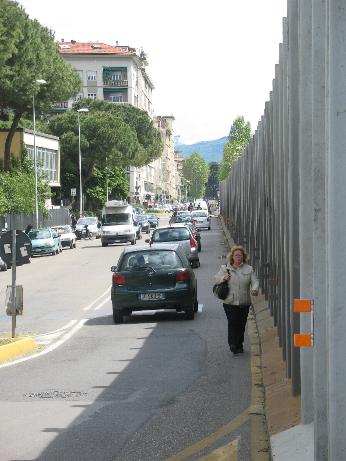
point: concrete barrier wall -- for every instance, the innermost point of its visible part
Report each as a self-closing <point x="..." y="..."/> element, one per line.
<point x="284" y="200"/>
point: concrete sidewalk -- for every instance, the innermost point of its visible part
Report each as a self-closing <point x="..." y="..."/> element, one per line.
<point x="289" y="439"/>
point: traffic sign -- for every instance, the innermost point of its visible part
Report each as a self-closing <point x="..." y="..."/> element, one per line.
<point x="23" y="248"/>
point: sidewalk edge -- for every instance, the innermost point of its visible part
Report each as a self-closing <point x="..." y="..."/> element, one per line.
<point x="17" y="348"/>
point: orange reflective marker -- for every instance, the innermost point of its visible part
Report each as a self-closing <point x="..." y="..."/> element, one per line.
<point x="302" y="305"/>
<point x="303" y="340"/>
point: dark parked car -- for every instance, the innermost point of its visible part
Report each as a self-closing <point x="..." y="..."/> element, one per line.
<point x="153" y="220"/>
<point x="142" y="219"/>
<point x="153" y="278"/>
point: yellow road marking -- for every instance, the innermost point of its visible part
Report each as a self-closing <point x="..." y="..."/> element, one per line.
<point x="228" y="452"/>
<point x="212" y="438"/>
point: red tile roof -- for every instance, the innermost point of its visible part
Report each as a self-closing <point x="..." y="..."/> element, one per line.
<point x="74" y="47"/>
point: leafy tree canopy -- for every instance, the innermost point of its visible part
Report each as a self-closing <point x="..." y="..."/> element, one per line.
<point x="29" y="53"/>
<point x="213" y="181"/>
<point x="17" y="189"/>
<point x="196" y="171"/>
<point x="239" y="137"/>
<point x="112" y="135"/>
<point x="114" y="179"/>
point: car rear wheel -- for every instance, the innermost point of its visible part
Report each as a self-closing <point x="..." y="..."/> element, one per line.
<point x="104" y="244"/>
<point x="195" y="304"/>
<point x="118" y="316"/>
<point x="190" y="312"/>
<point x="133" y="242"/>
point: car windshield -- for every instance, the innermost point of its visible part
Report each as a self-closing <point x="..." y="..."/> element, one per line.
<point x="62" y="229"/>
<point x="200" y="214"/>
<point x="39" y="234"/>
<point x="173" y="234"/>
<point x="83" y="221"/>
<point x="156" y="259"/>
<point x="116" y="219"/>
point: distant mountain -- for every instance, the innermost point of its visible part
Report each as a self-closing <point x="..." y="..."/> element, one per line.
<point x="211" y="151"/>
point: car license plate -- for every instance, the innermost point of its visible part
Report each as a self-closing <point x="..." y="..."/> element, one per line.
<point x="151" y="296"/>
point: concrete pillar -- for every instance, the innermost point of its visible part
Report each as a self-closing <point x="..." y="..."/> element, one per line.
<point x="293" y="184"/>
<point x="319" y="231"/>
<point x="336" y="225"/>
<point x="305" y="199"/>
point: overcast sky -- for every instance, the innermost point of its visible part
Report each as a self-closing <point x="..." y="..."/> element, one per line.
<point x="210" y="61"/>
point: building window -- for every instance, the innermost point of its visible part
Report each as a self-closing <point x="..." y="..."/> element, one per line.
<point x="117" y="98"/>
<point x="92" y="95"/>
<point x="117" y="76"/>
<point x="91" y="75"/>
<point x="46" y="162"/>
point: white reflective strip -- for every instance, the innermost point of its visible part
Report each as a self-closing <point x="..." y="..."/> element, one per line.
<point x="101" y="304"/>
<point x="97" y="299"/>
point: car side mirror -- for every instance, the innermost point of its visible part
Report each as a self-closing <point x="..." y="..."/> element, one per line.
<point x="114" y="268"/>
<point x="55" y="235"/>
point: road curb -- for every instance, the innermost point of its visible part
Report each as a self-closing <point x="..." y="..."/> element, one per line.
<point x="16" y="349"/>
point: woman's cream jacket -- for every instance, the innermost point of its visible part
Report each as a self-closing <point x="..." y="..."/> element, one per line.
<point x="243" y="278"/>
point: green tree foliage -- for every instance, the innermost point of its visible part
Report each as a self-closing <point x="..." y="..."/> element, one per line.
<point x="110" y="135"/>
<point x="17" y="189"/>
<point x="149" y="143"/>
<point x="213" y="181"/>
<point x="28" y="54"/>
<point x="196" y="171"/>
<point x="116" y="180"/>
<point x="239" y="136"/>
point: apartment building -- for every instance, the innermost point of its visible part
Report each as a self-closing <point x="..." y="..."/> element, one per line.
<point x="116" y="74"/>
<point x="168" y="188"/>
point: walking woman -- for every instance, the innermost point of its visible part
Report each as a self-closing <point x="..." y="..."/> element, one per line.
<point x="242" y="283"/>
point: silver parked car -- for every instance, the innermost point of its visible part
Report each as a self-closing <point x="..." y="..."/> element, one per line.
<point x="174" y="234"/>
<point x="201" y="219"/>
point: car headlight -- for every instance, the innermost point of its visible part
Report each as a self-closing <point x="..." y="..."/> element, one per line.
<point x="127" y="231"/>
<point x="48" y="245"/>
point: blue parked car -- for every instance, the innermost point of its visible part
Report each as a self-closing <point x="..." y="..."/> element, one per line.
<point x="153" y="220"/>
<point x="45" y="241"/>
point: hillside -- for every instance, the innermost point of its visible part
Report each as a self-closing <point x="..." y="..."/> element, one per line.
<point x="211" y="151"/>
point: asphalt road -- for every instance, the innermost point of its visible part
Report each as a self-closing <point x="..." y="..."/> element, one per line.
<point x="158" y="387"/>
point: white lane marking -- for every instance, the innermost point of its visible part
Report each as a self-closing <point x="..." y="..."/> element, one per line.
<point x="97" y="299"/>
<point x="200" y="307"/>
<point x="101" y="304"/>
<point x="65" y="327"/>
<point x="64" y="338"/>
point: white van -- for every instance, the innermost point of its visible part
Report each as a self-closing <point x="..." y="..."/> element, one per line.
<point x="118" y="223"/>
<point x="200" y="205"/>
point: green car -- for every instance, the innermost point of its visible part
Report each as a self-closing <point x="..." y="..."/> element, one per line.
<point x="153" y="278"/>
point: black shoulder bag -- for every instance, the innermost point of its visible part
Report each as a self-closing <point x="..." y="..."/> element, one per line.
<point x="221" y="290"/>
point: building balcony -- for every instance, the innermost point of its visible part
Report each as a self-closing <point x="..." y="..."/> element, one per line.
<point x="116" y="83"/>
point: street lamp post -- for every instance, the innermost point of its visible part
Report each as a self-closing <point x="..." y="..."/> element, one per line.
<point x="40" y="82"/>
<point x="80" y="164"/>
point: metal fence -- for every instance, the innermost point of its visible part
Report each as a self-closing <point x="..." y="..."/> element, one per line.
<point x="56" y="217"/>
<point x="284" y="199"/>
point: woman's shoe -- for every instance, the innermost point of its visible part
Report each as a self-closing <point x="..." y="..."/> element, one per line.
<point x="233" y="348"/>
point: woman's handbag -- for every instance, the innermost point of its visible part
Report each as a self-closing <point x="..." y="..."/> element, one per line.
<point x="221" y="290"/>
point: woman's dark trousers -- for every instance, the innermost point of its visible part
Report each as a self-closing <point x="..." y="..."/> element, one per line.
<point x="237" y="318"/>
